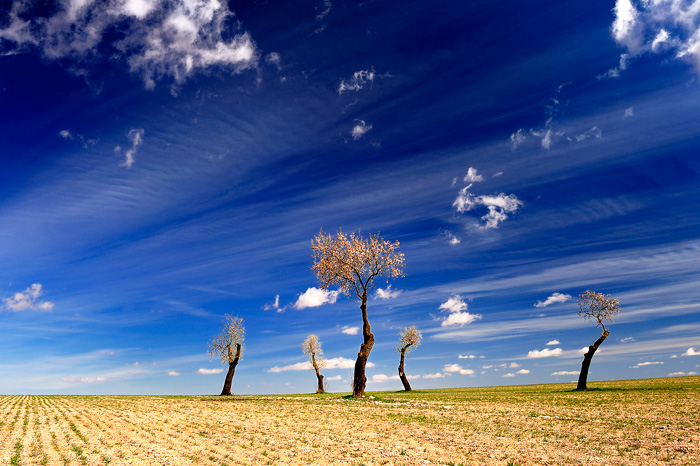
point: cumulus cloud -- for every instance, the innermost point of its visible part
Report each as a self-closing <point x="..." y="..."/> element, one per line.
<point x="452" y="239"/>
<point x="691" y="352"/>
<point x="670" y="28"/>
<point x="209" y="371"/>
<point x="358" y="80"/>
<point x="565" y="373"/>
<point x="28" y="299"/>
<point x="552" y="342"/>
<point x="509" y="374"/>
<point x="315" y="297"/>
<point x="472" y="176"/>
<point x="360" y="129"/>
<point x="332" y="363"/>
<point x="335" y="377"/>
<point x="156" y="38"/>
<point x="136" y="138"/>
<point x="498" y="206"/>
<point x="647" y="363"/>
<point x="523" y="371"/>
<point x="437" y="375"/>
<point x="545" y="353"/>
<point x="680" y="374"/>
<point x="457" y="315"/>
<point x="388" y="293"/>
<point x="383" y="378"/>
<point x="513" y="365"/>
<point x="173" y="373"/>
<point x="554" y="298"/>
<point x="466" y="356"/>
<point x="350" y="330"/>
<point x="457" y="368"/>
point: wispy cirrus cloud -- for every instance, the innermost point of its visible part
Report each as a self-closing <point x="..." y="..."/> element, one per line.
<point x="359" y="80"/>
<point x="158" y="38"/>
<point x="28" y="299"/>
<point x="209" y="371"/>
<point x="360" y="129"/>
<point x="135" y="136"/>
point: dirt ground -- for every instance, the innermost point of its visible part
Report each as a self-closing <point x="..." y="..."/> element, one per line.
<point x="553" y="426"/>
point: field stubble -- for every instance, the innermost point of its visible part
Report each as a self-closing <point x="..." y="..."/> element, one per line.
<point x="650" y="422"/>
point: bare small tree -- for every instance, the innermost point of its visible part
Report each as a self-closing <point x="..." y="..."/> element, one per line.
<point x="601" y="308"/>
<point x="352" y="263"/>
<point x="312" y="348"/>
<point x="409" y="339"/>
<point x="228" y="346"/>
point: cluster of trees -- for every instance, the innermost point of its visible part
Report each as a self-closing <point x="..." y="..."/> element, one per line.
<point x="352" y="264"/>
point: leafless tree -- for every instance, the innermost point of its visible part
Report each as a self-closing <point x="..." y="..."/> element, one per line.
<point x="228" y="346"/>
<point x="312" y="348"/>
<point x="409" y="339"/>
<point x="601" y="308"/>
<point x="352" y="263"/>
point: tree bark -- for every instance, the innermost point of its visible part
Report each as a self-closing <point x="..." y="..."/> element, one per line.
<point x="231" y="370"/>
<point x="318" y="374"/>
<point x="583" y="376"/>
<point x="359" y="380"/>
<point x="402" y="375"/>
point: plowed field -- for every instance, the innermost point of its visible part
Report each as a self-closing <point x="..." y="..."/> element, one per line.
<point x="647" y="422"/>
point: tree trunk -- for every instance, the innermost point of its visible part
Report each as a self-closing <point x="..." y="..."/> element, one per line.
<point x="231" y="370"/>
<point x="402" y="375"/>
<point x="583" y="376"/>
<point x="318" y="374"/>
<point x="359" y="380"/>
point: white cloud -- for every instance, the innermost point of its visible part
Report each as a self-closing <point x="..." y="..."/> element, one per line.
<point x="627" y="340"/>
<point x="65" y="134"/>
<point x="565" y="373"/>
<point x="466" y="356"/>
<point x="552" y="342"/>
<point x="629" y="112"/>
<point x="660" y="27"/>
<point x="28" y="299"/>
<point x="388" y="293"/>
<point x="173" y="373"/>
<point x="332" y="363"/>
<point x="136" y="137"/>
<point x="80" y="380"/>
<point x="335" y="377"/>
<point x="454" y="306"/>
<point x="472" y="176"/>
<point x="513" y="365"/>
<point x="510" y="374"/>
<point x="617" y="71"/>
<point x="517" y="138"/>
<point x="691" y="352"/>
<point x="209" y="371"/>
<point x="648" y="363"/>
<point x="457" y="368"/>
<point x="678" y="374"/>
<point x="359" y="80"/>
<point x="437" y="375"/>
<point x="350" y="330"/>
<point x="156" y="38"/>
<point x="545" y="353"/>
<point x="554" y="298"/>
<point x="594" y="132"/>
<point x="315" y="297"/>
<point x="452" y="239"/>
<point x="274" y="306"/>
<point x="360" y="129"/>
<point x="326" y="5"/>
<point x="383" y="378"/>
<point x="523" y="371"/>
<point x="274" y="58"/>
<point x="498" y="206"/>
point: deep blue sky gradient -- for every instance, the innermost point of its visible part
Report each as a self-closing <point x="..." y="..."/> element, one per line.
<point x="237" y="171"/>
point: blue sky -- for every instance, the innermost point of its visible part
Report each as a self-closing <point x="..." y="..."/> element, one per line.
<point x="165" y="162"/>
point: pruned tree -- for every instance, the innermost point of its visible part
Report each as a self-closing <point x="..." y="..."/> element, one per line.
<point x="312" y="348"/>
<point x="601" y="308"/>
<point x="228" y="346"/>
<point x="409" y="339"/>
<point x="352" y="263"/>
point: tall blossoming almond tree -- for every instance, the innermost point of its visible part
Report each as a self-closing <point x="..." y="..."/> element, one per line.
<point x="352" y="263"/>
<point x="228" y="346"/>
<point x="409" y="339"/>
<point x="601" y="308"/>
<point x="312" y="348"/>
